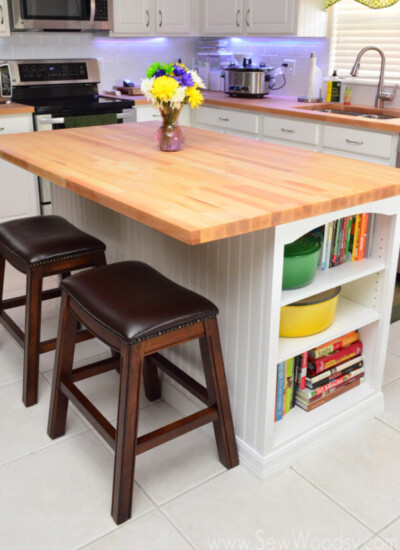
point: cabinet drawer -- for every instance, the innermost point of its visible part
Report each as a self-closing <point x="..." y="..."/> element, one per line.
<point x="147" y="113"/>
<point x="359" y="142"/>
<point x="228" y="119"/>
<point x="290" y="129"/>
<point x="14" y="124"/>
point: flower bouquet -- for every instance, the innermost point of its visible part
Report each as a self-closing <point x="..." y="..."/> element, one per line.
<point x="169" y="86"/>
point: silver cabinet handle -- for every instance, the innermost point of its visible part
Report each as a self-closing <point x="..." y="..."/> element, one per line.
<point x="288" y="131"/>
<point x="355" y="142"/>
<point x="148" y="18"/>
<point x="156" y="116"/>
<point x="237" y="18"/>
<point x="2" y="16"/>
<point x="223" y="119"/>
<point x="247" y="17"/>
<point x="2" y="129"/>
<point x="161" y="18"/>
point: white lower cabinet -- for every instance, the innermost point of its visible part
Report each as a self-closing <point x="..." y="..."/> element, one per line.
<point x="18" y="188"/>
<point x="147" y="113"/>
<point x="346" y="141"/>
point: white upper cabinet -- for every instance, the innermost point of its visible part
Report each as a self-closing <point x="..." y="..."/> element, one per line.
<point x="154" y="17"/>
<point x="263" y="18"/>
<point x="270" y="16"/>
<point x="4" y="21"/>
<point x="173" y="16"/>
<point x="222" y="17"/>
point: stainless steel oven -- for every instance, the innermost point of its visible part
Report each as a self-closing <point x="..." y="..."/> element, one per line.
<point x="62" y="92"/>
<point x="61" y="15"/>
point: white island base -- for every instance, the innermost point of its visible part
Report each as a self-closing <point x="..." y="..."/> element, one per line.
<point x="243" y="275"/>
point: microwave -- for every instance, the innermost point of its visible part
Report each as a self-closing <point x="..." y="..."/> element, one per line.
<point x="61" y="15"/>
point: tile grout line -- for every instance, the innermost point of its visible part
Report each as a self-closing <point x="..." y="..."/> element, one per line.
<point x="333" y="500"/>
<point x="177" y="528"/>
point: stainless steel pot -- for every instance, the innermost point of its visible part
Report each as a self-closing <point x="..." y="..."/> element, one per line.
<point x="247" y="80"/>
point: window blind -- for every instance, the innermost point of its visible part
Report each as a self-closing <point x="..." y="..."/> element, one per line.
<point x="355" y="26"/>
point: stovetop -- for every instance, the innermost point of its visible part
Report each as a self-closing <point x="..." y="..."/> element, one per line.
<point x="76" y="105"/>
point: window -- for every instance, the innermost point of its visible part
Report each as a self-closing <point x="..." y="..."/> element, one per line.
<point x="355" y="26"/>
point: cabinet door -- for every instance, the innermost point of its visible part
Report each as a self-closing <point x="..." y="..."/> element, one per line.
<point x="222" y="17"/>
<point x="270" y="17"/>
<point x="172" y="17"/>
<point x="132" y="17"/>
<point x="4" y="22"/>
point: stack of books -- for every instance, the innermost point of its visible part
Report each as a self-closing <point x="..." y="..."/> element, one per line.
<point x="347" y="239"/>
<point x="333" y="369"/>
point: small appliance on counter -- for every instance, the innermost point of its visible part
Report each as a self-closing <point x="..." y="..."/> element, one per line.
<point x="248" y="80"/>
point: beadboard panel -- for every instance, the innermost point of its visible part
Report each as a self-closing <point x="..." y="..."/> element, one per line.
<point x="234" y="273"/>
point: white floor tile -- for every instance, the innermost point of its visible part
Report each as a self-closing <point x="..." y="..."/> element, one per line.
<point x="24" y="430"/>
<point x="150" y="532"/>
<point x="360" y="471"/>
<point x="394" y="338"/>
<point x="391" y="414"/>
<point x="176" y="466"/>
<point x="392" y="534"/>
<point x="60" y="497"/>
<point x="235" y="510"/>
<point x="392" y="368"/>
<point x="376" y="543"/>
<point x="11" y="359"/>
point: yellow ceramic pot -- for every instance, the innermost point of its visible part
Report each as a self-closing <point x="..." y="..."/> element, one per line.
<point x="309" y="316"/>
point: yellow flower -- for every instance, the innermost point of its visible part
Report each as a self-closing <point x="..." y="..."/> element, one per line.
<point x="195" y="97"/>
<point x="164" y="88"/>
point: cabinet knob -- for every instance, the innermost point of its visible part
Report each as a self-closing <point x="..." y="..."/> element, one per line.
<point x="161" y="18"/>
<point x="247" y="17"/>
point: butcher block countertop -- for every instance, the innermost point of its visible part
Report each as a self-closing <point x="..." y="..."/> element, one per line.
<point x="218" y="186"/>
<point x="14" y="109"/>
<point x="289" y="106"/>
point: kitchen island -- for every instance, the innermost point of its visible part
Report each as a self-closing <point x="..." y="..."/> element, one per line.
<point x="215" y="217"/>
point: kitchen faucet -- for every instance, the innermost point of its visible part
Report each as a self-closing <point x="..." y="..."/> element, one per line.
<point x="381" y="96"/>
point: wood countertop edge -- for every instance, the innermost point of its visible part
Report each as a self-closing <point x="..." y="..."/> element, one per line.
<point x="7" y="109"/>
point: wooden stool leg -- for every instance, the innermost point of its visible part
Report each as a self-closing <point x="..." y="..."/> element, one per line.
<point x="152" y="388"/>
<point x="63" y="368"/>
<point x="33" y="316"/>
<point x="2" y="271"/>
<point x="125" y="448"/>
<point x="217" y="388"/>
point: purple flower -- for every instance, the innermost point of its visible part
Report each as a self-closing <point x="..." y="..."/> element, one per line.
<point x="187" y="80"/>
<point x="160" y="72"/>
<point x="179" y="71"/>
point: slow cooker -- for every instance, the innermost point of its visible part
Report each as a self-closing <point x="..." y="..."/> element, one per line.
<point x="249" y="80"/>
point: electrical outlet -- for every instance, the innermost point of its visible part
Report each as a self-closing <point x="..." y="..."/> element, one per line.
<point x="290" y="70"/>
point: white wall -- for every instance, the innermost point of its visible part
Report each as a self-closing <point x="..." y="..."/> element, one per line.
<point x="120" y="57"/>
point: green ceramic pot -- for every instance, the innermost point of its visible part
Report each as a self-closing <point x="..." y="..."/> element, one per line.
<point x="300" y="262"/>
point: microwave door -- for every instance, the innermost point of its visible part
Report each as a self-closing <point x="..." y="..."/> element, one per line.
<point x="53" y="14"/>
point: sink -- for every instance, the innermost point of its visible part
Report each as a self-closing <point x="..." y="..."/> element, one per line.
<point x="355" y="113"/>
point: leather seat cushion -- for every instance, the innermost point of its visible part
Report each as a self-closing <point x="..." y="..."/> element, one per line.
<point x="42" y="238"/>
<point x="134" y="301"/>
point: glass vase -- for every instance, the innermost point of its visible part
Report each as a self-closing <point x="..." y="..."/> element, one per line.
<point x="169" y="136"/>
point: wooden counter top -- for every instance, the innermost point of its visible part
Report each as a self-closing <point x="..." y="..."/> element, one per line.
<point x="216" y="187"/>
<point x="14" y="109"/>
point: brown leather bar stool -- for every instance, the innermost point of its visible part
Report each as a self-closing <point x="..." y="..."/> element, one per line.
<point x="138" y="312"/>
<point x="41" y="246"/>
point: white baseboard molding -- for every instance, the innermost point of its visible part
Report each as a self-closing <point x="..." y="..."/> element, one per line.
<point x="264" y="467"/>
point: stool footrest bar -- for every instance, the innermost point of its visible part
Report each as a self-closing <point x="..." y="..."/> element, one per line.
<point x="175" y="429"/>
<point x="99" y="367"/>
<point x="180" y="376"/>
<point x="49" y="345"/>
<point x="21" y="300"/>
<point x="89" y="411"/>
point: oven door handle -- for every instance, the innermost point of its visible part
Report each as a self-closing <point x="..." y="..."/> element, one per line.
<point x="51" y="121"/>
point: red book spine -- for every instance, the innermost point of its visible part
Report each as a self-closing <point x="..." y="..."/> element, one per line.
<point x="304" y="361"/>
<point x="329" y="361"/>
